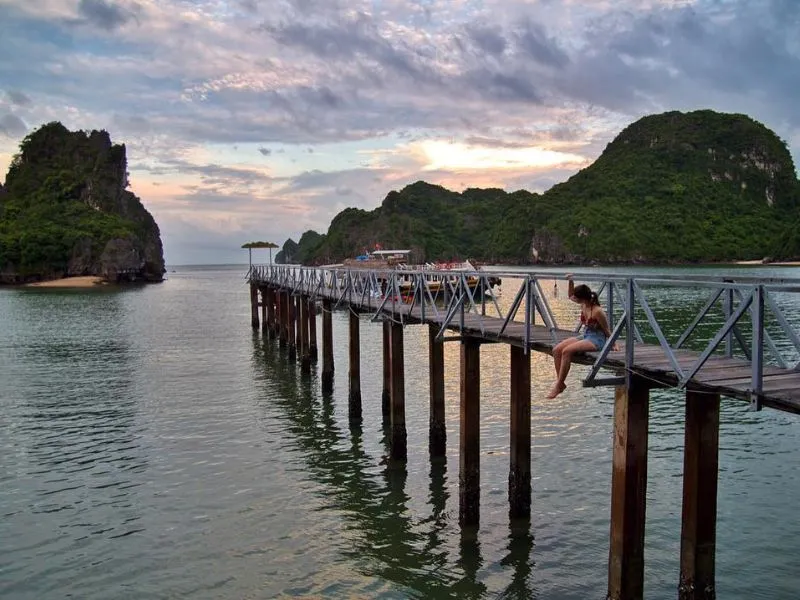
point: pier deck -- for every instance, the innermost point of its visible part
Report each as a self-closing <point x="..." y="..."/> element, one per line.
<point x="727" y="375"/>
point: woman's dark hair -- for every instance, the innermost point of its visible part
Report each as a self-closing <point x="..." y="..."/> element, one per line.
<point x="584" y="292"/>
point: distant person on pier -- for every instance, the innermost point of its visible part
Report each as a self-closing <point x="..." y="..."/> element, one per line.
<point x="594" y="337"/>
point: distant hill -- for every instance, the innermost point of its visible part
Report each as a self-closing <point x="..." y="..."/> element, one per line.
<point x="670" y="188"/>
<point x="65" y="210"/>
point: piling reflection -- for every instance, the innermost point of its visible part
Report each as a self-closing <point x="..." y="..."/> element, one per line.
<point x="387" y="541"/>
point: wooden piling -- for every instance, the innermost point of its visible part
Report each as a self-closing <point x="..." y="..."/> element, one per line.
<point x="290" y="326"/>
<point x="469" y="442"/>
<point x="264" y="322"/>
<point x="283" y="318"/>
<point x="327" y="347"/>
<point x="628" y="491"/>
<point x="297" y="302"/>
<point x="254" y="305"/>
<point x="700" y="474"/>
<point x="271" y="319"/>
<point x="437" y="432"/>
<point x="519" y="475"/>
<point x="398" y="444"/>
<point x="312" y="329"/>
<point x="387" y="371"/>
<point x="305" y="348"/>
<point x="354" y="406"/>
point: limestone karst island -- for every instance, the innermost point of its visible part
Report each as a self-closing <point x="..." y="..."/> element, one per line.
<point x="672" y="188"/>
<point x="65" y="211"/>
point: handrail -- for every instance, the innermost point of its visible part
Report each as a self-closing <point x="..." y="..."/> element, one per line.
<point x="464" y="300"/>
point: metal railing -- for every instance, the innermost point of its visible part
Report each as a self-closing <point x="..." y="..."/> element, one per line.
<point x="734" y="307"/>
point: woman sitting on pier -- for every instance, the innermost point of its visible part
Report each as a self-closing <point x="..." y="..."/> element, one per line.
<point x="594" y="337"/>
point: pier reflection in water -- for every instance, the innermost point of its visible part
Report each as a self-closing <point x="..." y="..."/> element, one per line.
<point x="427" y="555"/>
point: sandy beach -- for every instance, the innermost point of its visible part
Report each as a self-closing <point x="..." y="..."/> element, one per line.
<point x="769" y="264"/>
<point x="71" y="282"/>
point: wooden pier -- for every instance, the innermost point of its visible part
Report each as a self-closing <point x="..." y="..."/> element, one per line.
<point x="742" y="355"/>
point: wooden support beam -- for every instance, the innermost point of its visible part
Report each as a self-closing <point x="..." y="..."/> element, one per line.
<point x="312" y="330"/>
<point x="469" y="485"/>
<point x="327" y="347"/>
<point x="355" y="368"/>
<point x="254" y="306"/>
<point x="283" y="318"/>
<point x="298" y="327"/>
<point x="628" y="491"/>
<point x="272" y="327"/>
<point x="387" y="372"/>
<point x="519" y="475"/>
<point x="305" y="347"/>
<point x="700" y="474"/>
<point x="264" y="302"/>
<point x="290" y="325"/>
<point x="437" y="433"/>
<point x="398" y="448"/>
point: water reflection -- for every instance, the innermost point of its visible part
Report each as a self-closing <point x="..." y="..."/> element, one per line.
<point x="384" y="540"/>
<point x="69" y="434"/>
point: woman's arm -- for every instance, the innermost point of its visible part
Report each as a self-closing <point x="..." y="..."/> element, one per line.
<point x="602" y="321"/>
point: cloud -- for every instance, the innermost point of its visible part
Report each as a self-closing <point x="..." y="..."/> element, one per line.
<point x="199" y="86"/>
<point x="104" y="14"/>
<point x="12" y="126"/>
<point x="18" y="98"/>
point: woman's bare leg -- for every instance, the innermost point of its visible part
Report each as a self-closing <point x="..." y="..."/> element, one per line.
<point x="566" y="362"/>
<point x="558" y="352"/>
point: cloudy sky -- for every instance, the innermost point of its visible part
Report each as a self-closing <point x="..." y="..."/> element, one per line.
<point x="259" y="119"/>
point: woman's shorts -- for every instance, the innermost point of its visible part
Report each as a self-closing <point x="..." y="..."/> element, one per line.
<point x="596" y="337"/>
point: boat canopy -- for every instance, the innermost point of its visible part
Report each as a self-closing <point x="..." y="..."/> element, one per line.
<point x="389" y="252"/>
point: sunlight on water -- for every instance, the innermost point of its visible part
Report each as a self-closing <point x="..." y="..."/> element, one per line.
<point x="152" y="446"/>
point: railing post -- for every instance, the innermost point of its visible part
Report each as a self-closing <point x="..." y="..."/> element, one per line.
<point x="758" y="347"/>
<point x="727" y="308"/>
<point x="610" y="305"/>
<point x="630" y="332"/>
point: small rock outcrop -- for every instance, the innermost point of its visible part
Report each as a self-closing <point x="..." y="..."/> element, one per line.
<point x="65" y="210"/>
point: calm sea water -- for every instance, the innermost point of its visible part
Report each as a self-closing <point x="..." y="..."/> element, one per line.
<point x="152" y="446"/>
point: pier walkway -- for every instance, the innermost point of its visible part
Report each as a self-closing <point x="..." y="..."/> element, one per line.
<point x="707" y="336"/>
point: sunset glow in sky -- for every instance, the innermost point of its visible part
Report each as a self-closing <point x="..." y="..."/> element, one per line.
<point x="260" y="119"/>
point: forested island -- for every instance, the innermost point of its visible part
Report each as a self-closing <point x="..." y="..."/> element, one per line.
<point x="670" y="188"/>
<point x="65" y="210"/>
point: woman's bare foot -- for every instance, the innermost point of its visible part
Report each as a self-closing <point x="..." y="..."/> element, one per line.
<point x="556" y="390"/>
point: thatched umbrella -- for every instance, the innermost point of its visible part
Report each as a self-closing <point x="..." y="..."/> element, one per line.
<point x="251" y="245"/>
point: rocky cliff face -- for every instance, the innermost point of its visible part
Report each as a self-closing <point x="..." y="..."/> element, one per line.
<point x="67" y="211"/>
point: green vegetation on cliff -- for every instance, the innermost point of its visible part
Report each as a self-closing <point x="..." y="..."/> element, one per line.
<point x="65" y="211"/>
<point x="674" y="187"/>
